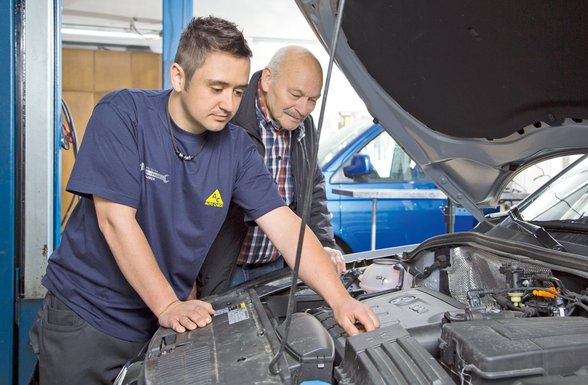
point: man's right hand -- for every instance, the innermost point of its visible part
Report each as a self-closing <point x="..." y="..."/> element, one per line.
<point x="186" y="315"/>
<point x="349" y="312"/>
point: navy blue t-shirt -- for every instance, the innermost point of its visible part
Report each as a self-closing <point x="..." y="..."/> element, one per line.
<point x="127" y="157"/>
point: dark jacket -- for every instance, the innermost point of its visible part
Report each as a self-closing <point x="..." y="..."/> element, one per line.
<point x="218" y="266"/>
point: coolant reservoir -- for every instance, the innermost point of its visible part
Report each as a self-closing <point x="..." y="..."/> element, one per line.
<point x="382" y="274"/>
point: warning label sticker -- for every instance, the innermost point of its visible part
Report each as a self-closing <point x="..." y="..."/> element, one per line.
<point x="238" y="315"/>
<point x="235" y="313"/>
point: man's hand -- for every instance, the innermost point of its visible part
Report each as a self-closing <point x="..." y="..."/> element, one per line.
<point x="337" y="259"/>
<point x="186" y="315"/>
<point x="350" y="312"/>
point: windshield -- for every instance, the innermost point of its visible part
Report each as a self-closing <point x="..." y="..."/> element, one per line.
<point x="564" y="198"/>
<point x="329" y="147"/>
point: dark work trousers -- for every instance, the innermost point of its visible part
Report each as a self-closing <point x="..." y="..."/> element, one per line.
<point x="71" y="351"/>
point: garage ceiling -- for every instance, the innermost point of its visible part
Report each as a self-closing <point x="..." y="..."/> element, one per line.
<point x="137" y="23"/>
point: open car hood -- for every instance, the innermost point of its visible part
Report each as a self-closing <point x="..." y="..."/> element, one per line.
<point x="473" y="91"/>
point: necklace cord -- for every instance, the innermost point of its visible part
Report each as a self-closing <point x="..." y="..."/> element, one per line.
<point x="179" y="154"/>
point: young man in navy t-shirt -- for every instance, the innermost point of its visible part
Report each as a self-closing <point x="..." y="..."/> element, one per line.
<point x="156" y="172"/>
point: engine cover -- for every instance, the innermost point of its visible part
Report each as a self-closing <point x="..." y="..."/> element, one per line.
<point x="418" y="310"/>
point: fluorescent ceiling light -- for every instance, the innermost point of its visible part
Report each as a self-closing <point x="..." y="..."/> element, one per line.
<point x="109" y="34"/>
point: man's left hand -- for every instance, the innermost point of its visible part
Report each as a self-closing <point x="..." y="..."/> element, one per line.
<point x="337" y="259"/>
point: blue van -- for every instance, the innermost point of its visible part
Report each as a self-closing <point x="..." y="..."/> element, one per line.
<point x="359" y="156"/>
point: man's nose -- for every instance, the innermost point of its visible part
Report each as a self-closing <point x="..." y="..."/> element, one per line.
<point x="305" y="106"/>
<point x="229" y="102"/>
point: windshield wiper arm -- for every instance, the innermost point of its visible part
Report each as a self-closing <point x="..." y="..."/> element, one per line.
<point x="542" y="236"/>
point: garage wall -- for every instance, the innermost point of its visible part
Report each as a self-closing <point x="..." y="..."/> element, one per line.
<point x="87" y="75"/>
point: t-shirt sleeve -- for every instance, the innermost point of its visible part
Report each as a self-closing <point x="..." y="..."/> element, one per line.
<point x="108" y="162"/>
<point x="255" y="189"/>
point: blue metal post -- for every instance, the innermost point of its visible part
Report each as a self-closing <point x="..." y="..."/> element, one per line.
<point x="176" y="15"/>
<point x="7" y="190"/>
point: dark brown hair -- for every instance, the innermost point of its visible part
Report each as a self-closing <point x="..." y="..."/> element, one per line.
<point x="204" y="35"/>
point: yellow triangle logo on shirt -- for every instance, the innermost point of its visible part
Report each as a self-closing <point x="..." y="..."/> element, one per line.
<point x="214" y="199"/>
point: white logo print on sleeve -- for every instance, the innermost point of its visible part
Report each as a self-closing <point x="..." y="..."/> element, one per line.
<point x="152" y="174"/>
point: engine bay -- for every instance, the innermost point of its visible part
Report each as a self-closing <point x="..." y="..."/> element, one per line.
<point x="450" y="314"/>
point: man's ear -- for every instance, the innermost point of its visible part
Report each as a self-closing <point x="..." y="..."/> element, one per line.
<point x="178" y="77"/>
<point x="266" y="78"/>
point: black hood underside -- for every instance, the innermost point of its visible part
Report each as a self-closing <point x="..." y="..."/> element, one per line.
<point x="477" y="69"/>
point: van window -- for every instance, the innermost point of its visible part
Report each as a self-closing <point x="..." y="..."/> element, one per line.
<point x="388" y="163"/>
<point x="330" y="146"/>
